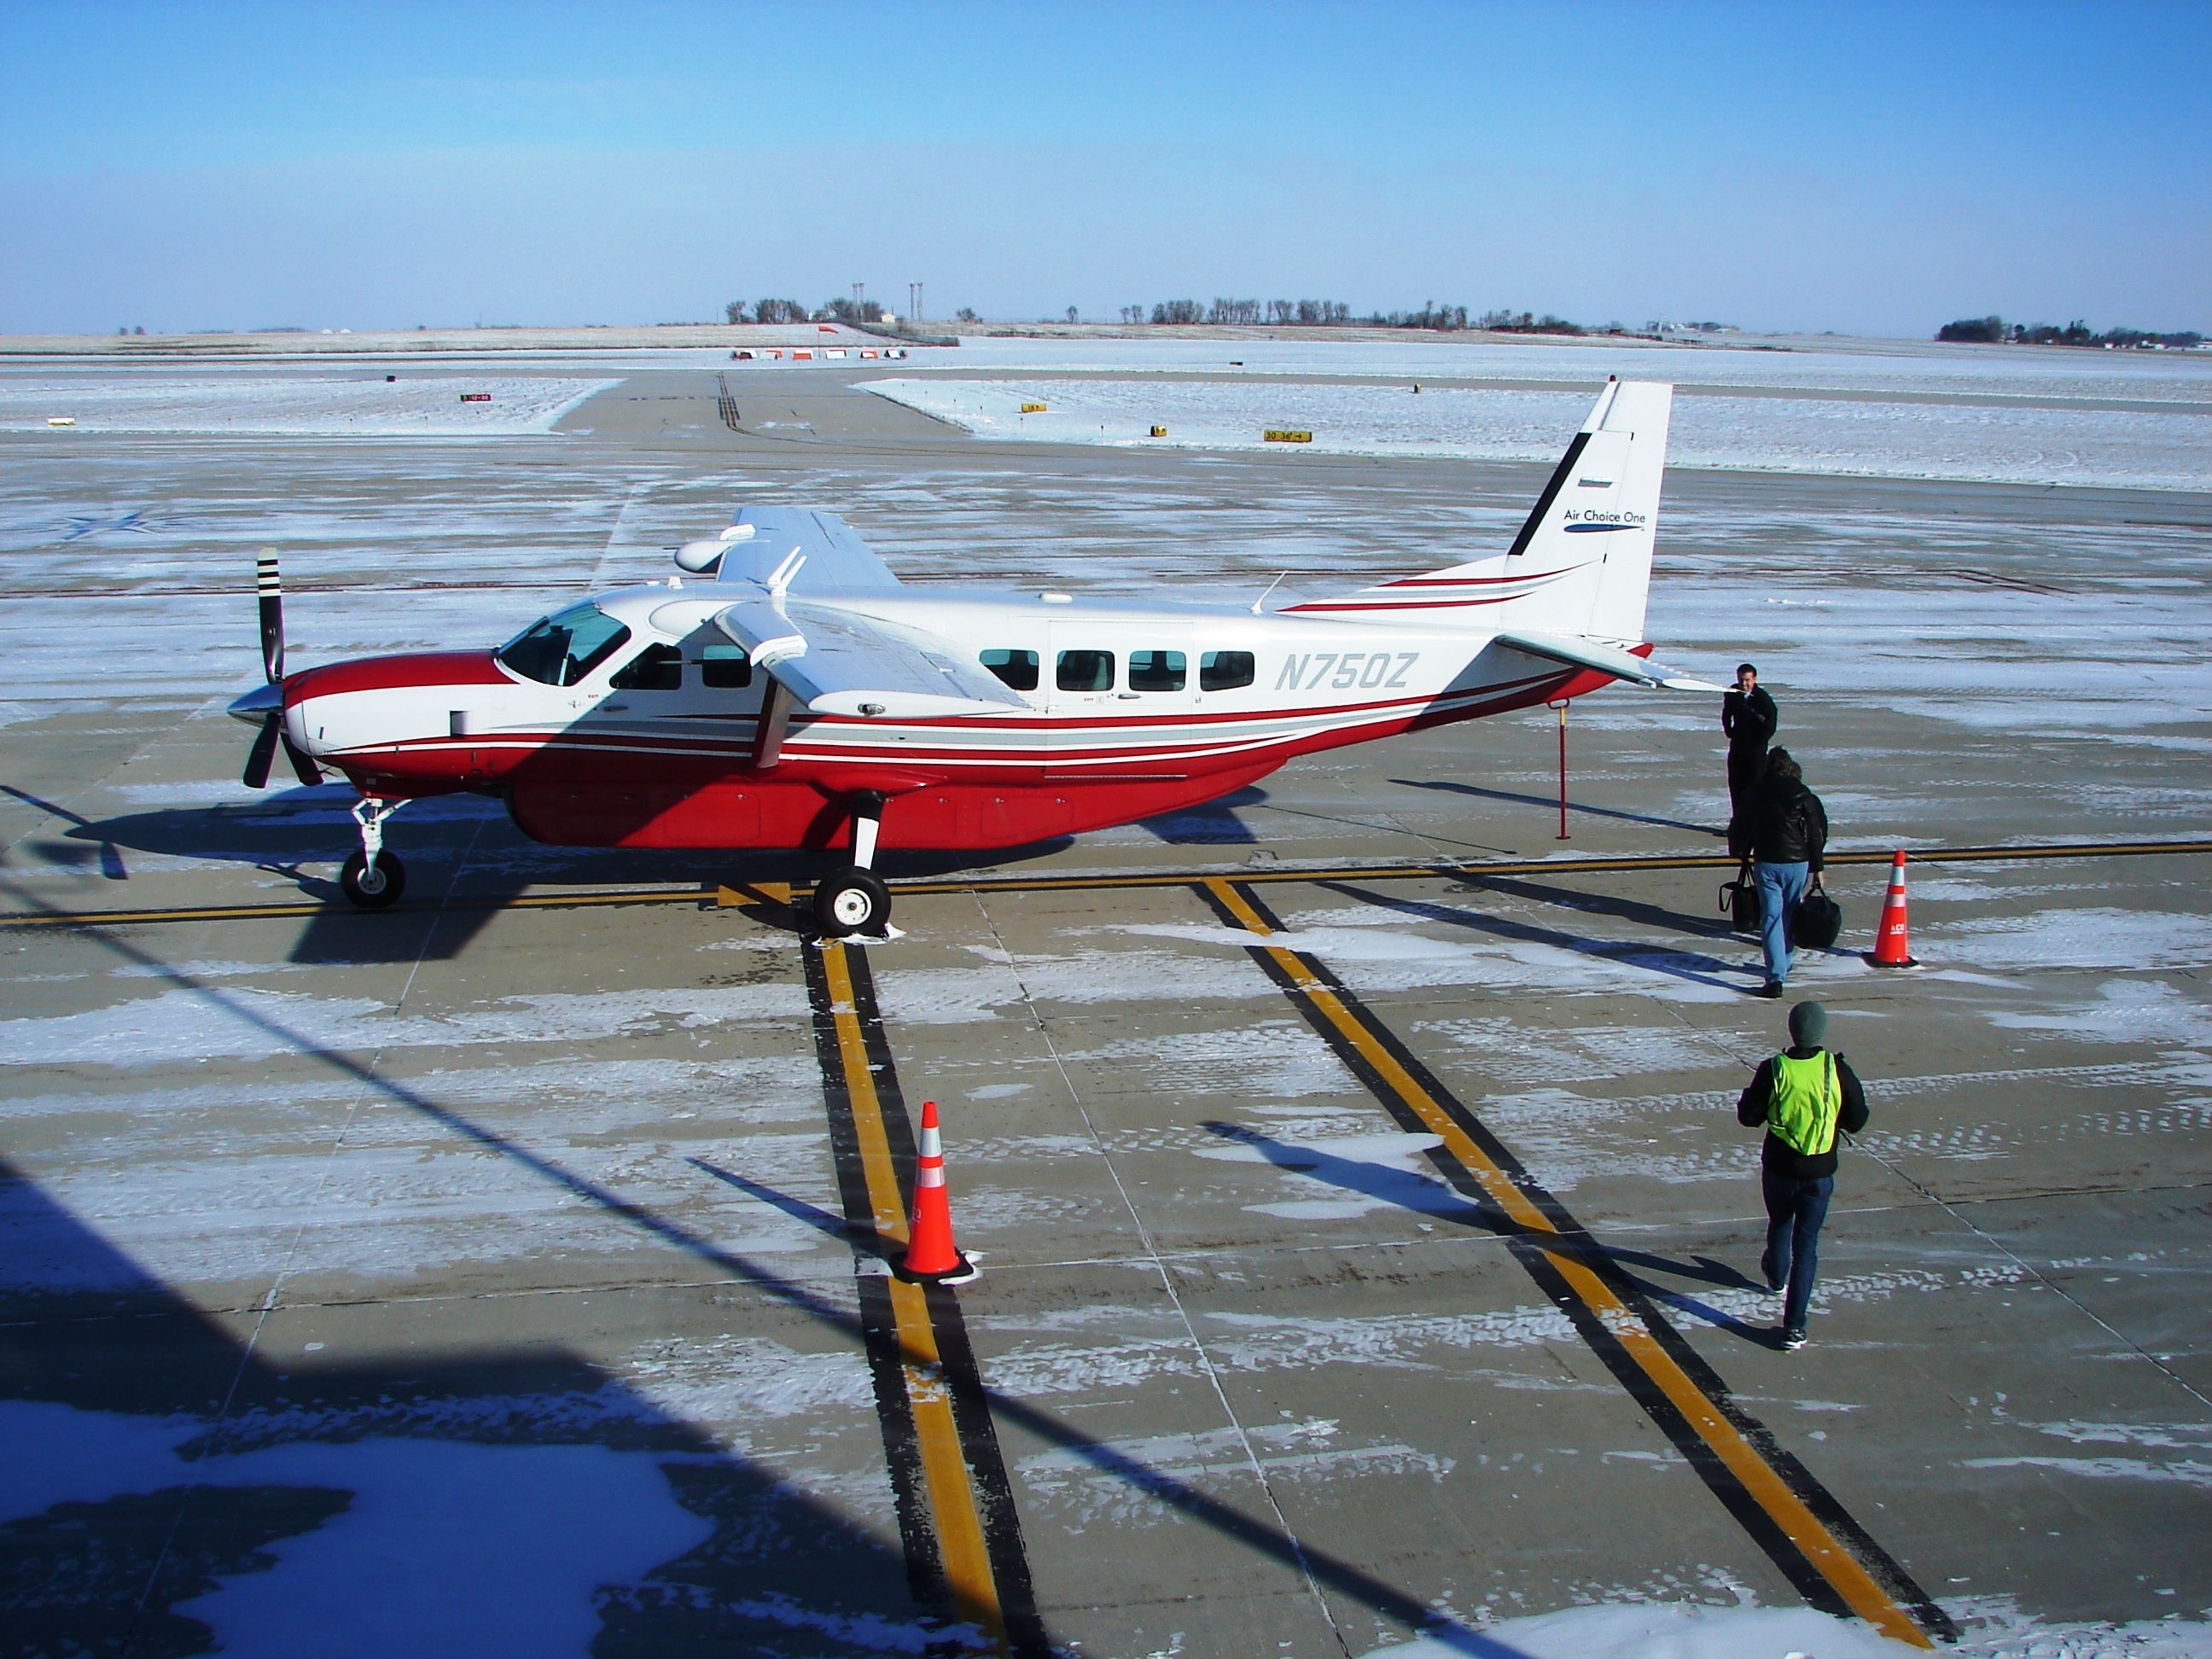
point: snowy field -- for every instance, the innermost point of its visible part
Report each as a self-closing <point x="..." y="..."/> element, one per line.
<point x="1863" y="435"/>
<point x="361" y="405"/>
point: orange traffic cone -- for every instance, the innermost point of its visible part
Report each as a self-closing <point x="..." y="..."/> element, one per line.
<point x="930" y="1254"/>
<point x="1891" y="948"/>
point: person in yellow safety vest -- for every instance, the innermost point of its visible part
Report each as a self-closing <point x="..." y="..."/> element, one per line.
<point x="1801" y="1097"/>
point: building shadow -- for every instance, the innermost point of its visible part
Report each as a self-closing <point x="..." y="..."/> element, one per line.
<point x="159" y="1466"/>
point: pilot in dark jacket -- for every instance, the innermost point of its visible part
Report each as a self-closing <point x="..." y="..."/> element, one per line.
<point x="1749" y="717"/>
<point x="1787" y="835"/>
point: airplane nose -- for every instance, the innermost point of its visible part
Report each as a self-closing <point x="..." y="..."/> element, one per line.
<point x="257" y="705"/>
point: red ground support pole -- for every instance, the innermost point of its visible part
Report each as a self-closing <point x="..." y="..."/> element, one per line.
<point x="1562" y="707"/>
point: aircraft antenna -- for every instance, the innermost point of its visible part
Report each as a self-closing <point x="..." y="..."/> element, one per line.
<point x="1272" y="586"/>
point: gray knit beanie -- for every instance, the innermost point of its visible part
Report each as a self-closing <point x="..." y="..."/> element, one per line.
<point x="1808" y="1024"/>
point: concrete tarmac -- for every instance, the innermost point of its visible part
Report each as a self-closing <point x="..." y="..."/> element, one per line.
<point x="1368" y="1240"/>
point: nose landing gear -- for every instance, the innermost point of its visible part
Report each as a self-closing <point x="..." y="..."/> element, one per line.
<point x="855" y="900"/>
<point x="372" y="878"/>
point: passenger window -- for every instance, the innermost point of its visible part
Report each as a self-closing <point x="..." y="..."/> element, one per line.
<point x="1157" y="671"/>
<point x="1019" y="669"/>
<point x="656" y="668"/>
<point x="724" y="668"/>
<point x="1224" y="670"/>
<point x="1084" y="671"/>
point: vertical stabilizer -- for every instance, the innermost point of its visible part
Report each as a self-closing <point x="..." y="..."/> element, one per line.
<point x="1581" y="562"/>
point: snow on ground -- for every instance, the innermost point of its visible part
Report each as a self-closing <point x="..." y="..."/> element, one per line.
<point x="360" y="405"/>
<point x="1658" y="1631"/>
<point x="1845" y="436"/>
<point x="1901" y="366"/>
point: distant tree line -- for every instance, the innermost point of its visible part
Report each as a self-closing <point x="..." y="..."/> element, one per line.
<point x="1995" y="331"/>
<point x="1289" y="313"/>
<point x="1331" y="313"/>
<point x="790" y="311"/>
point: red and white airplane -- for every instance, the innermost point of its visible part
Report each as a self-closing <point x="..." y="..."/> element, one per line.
<point x="799" y="697"/>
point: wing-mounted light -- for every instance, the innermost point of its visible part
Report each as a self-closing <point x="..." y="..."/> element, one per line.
<point x="703" y="558"/>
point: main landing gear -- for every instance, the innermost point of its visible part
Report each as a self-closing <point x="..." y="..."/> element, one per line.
<point x="372" y="878"/>
<point x="855" y="900"/>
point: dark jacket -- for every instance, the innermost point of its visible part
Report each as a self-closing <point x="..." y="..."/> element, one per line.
<point x="1750" y="720"/>
<point x="1789" y="825"/>
<point x="1778" y="1154"/>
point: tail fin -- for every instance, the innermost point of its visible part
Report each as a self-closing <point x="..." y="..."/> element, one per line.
<point x="1581" y="564"/>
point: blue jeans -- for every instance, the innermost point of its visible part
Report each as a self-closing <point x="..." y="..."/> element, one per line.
<point x="1795" y="1211"/>
<point x="1781" y="886"/>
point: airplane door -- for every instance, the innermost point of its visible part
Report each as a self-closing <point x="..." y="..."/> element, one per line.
<point x="1100" y="670"/>
<point x="1111" y="684"/>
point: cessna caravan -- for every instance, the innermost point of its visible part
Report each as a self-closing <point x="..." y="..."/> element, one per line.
<point x="794" y="694"/>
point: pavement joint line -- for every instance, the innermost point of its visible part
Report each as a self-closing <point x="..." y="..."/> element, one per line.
<point x="1613" y="1318"/>
<point x="772" y="895"/>
<point x="930" y="1395"/>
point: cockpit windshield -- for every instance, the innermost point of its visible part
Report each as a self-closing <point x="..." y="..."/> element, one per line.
<point x="565" y="646"/>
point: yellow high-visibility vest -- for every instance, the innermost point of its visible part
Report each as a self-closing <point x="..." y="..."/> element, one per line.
<point x="1807" y="1100"/>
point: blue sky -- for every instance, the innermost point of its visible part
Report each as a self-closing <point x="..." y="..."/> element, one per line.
<point x="1868" y="169"/>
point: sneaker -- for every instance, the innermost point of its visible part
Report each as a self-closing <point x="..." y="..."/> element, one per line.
<point x="1771" y="989"/>
<point x="1793" y="1340"/>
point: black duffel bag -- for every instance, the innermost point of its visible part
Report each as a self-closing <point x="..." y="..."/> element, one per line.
<point x="1740" y="902"/>
<point x="1816" y="922"/>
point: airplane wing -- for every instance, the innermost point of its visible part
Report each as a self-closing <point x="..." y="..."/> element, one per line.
<point x="1605" y="658"/>
<point x="838" y="661"/>
<point x="762" y="538"/>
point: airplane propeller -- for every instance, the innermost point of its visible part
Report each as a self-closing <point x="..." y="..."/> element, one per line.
<point x="266" y="701"/>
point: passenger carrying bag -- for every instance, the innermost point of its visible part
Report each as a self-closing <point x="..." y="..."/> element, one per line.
<point x="1739" y="900"/>
<point x="1816" y="922"/>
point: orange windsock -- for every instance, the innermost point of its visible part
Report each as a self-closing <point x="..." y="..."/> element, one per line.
<point x="931" y="1254"/>
<point x="1892" y="949"/>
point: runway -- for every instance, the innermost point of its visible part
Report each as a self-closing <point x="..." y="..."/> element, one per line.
<point x="1367" y="1236"/>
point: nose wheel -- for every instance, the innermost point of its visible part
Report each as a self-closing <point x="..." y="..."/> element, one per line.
<point x="372" y="878"/>
<point x="373" y="886"/>
<point x="855" y="900"/>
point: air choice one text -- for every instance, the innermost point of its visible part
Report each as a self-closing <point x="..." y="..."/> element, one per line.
<point x="1365" y="670"/>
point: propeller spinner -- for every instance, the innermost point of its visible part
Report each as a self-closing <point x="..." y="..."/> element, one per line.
<point x="265" y="703"/>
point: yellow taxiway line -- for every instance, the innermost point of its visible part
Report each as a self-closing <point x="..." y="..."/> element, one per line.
<point x="749" y="894"/>
<point x="953" y="1504"/>
<point x="1805" y="1530"/>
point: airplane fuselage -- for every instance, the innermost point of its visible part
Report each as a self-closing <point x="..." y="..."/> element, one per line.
<point x="1125" y="710"/>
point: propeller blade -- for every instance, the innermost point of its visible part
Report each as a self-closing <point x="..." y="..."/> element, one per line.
<point x="263" y="754"/>
<point x="303" y="769"/>
<point x="270" y="586"/>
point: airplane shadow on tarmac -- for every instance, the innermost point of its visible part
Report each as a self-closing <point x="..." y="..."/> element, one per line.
<point x="84" y="1330"/>
<point x="1519" y="798"/>
<point x="466" y="859"/>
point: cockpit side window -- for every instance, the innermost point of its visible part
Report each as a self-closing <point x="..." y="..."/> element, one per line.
<point x="656" y="668"/>
<point x="1019" y="669"/>
<point x="565" y="646"/>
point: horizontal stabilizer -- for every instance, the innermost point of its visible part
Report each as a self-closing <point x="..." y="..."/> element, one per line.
<point x="1602" y="659"/>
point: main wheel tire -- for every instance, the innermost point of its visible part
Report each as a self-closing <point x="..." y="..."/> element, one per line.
<point x="851" y="902"/>
<point x="373" y="889"/>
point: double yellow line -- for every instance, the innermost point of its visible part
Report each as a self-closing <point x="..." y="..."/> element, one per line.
<point x="1806" y="1532"/>
<point x="953" y="1509"/>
